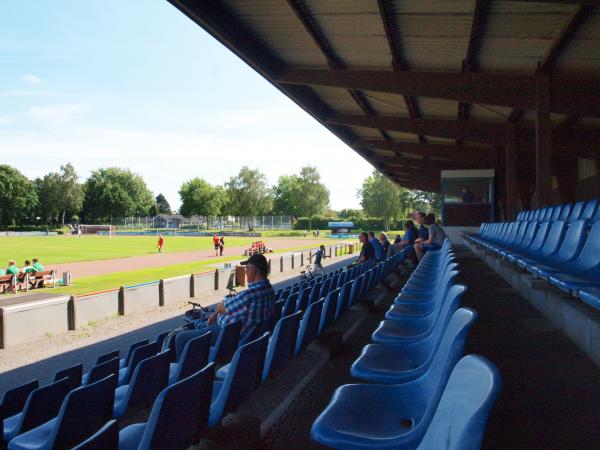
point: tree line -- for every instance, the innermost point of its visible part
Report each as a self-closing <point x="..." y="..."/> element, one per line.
<point x="109" y="193"/>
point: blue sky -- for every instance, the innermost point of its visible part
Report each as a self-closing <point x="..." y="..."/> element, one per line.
<point x="136" y="84"/>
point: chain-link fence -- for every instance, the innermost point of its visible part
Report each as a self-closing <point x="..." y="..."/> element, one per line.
<point x="179" y="222"/>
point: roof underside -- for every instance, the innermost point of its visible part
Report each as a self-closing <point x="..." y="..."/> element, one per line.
<point x="418" y="86"/>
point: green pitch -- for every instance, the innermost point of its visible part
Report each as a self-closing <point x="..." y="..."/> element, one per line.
<point x="63" y="249"/>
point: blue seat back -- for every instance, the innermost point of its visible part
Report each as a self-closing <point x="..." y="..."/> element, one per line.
<point x="290" y="305"/>
<point x="303" y="297"/>
<point x="253" y="332"/>
<point x="572" y="243"/>
<point x="472" y="389"/>
<point x="529" y="234"/>
<point x="13" y="400"/>
<point x="106" y="438"/>
<point x="139" y="354"/>
<point x="309" y="327"/>
<point x="84" y="411"/>
<point x="556" y="212"/>
<point x="101" y="371"/>
<point x="43" y="404"/>
<point x="74" y="375"/>
<point x="590" y="209"/>
<point x="277" y="309"/>
<point x="193" y="357"/>
<point x="149" y="378"/>
<point x="315" y="292"/>
<point x="325" y="286"/>
<point x="107" y="357"/>
<point x="282" y="344"/>
<point x="540" y="237"/>
<point x="160" y="339"/>
<point x="330" y="307"/>
<point x="226" y="343"/>
<point x="344" y="298"/>
<point x="547" y="214"/>
<point x="554" y="240"/>
<point x="179" y="416"/>
<point x="241" y="378"/>
<point x="590" y="253"/>
<point x="576" y="211"/>
<point x="132" y="348"/>
<point x="565" y="212"/>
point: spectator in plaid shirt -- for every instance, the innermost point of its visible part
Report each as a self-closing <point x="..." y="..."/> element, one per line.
<point x="254" y="306"/>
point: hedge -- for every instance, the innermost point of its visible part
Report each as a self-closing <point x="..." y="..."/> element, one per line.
<point x="362" y="223"/>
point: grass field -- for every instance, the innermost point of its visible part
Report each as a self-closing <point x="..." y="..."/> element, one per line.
<point x="62" y="249"/>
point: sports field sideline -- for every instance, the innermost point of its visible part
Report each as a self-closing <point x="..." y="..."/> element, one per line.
<point x="107" y="263"/>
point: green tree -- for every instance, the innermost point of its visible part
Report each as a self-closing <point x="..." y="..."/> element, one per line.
<point x="60" y="194"/>
<point x="379" y="197"/>
<point x="18" y="196"/>
<point x="311" y="197"/>
<point x="199" y="197"/>
<point x="284" y="196"/>
<point x="48" y="192"/>
<point x="162" y="204"/>
<point x="115" y="192"/>
<point x="248" y="194"/>
<point x="349" y="212"/>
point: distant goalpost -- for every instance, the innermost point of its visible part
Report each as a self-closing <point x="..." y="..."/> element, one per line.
<point x="103" y="230"/>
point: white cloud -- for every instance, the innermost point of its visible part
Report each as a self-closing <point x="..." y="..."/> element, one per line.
<point x="6" y="119"/>
<point x="55" y="115"/>
<point x="30" y="78"/>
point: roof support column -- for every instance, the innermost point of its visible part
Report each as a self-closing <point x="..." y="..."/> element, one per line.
<point x="566" y="173"/>
<point x="597" y="166"/>
<point x="510" y="164"/>
<point x="543" y="141"/>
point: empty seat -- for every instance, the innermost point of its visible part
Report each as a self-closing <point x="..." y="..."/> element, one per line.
<point x="330" y="306"/>
<point x="125" y="361"/>
<point x="551" y="245"/>
<point x="84" y="411"/>
<point x="399" y="363"/>
<point x="242" y="378"/>
<point x="42" y="405"/>
<point x="139" y="354"/>
<point x="13" y="401"/>
<point x="589" y="210"/>
<point x="472" y="389"/>
<point x="149" y="377"/>
<point x="576" y="211"/>
<point x="309" y="327"/>
<point x="193" y="358"/>
<point x="107" y="357"/>
<point x="565" y="212"/>
<point x="106" y="438"/>
<point x="74" y="375"/>
<point x="226" y="343"/>
<point x="178" y="418"/>
<point x="282" y="344"/>
<point x="101" y="371"/>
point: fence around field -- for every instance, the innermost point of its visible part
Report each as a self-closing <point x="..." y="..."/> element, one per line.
<point x="30" y="320"/>
<point x="178" y="222"/>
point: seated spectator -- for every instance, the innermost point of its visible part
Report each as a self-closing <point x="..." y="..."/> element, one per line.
<point x="37" y="265"/>
<point x="377" y="247"/>
<point x="28" y="268"/>
<point x="422" y="232"/>
<point x="12" y="268"/>
<point x="253" y="306"/>
<point x="435" y="240"/>
<point x="384" y="242"/>
<point x="366" y="252"/>
<point x="410" y="234"/>
<point x="1" y="272"/>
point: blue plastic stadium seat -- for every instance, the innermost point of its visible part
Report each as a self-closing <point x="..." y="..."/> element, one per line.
<point x="42" y="405"/>
<point x="106" y="438"/>
<point x="84" y="411"/>
<point x="278" y="308"/>
<point x="566" y="211"/>
<point x="160" y="339"/>
<point x="568" y="251"/>
<point x="290" y="305"/>
<point x="107" y="357"/>
<point x="361" y="416"/>
<point x="178" y="418"/>
<point x="282" y="344"/>
<point x="193" y="358"/>
<point x="244" y="374"/>
<point x="74" y="375"/>
<point x="330" y="306"/>
<point x="576" y="211"/>
<point x="309" y="327"/>
<point x="472" y="389"/>
<point x="226" y="343"/>
<point x="101" y="371"/>
<point x="13" y="401"/>
<point x="125" y="361"/>
<point x="533" y="248"/>
<point x="139" y="354"/>
<point x="343" y="299"/>
<point x="149" y="377"/>
<point x="589" y="210"/>
<point x="551" y="245"/>
<point x="303" y="298"/>
<point x="399" y="363"/>
<point x="411" y="329"/>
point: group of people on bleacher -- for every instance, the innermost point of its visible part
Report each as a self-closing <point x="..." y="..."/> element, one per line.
<point x="29" y="267"/>
<point x="428" y="237"/>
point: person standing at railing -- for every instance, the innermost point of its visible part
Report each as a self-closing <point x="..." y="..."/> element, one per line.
<point x="319" y="256"/>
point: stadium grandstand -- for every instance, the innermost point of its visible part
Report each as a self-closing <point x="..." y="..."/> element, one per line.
<point x="490" y="341"/>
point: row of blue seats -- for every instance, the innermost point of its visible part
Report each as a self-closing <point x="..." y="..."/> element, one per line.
<point x="143" y="373"/>
<point x="424" y="395"/>
<point x="568" y="212"/>
<point x="565" y="254"/>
